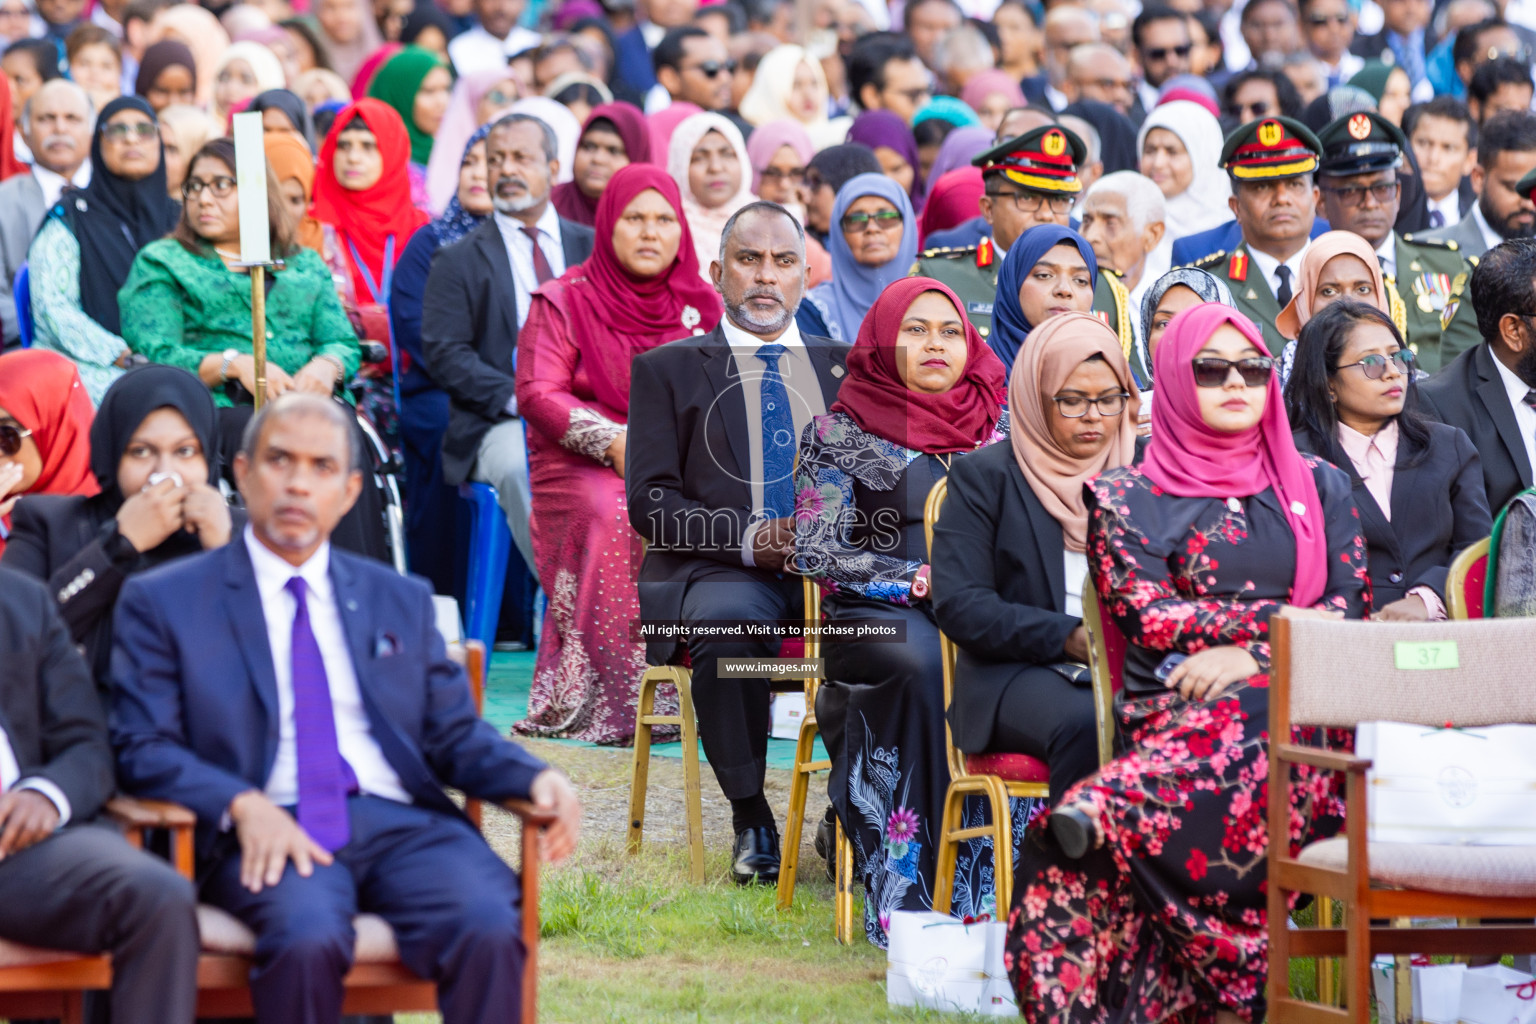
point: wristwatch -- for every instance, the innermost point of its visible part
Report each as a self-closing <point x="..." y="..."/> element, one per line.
<point x="920" y="582"/>
<point x="229" y="357"/>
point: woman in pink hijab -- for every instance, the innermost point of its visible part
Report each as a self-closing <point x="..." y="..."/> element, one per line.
<point x="1222" y="526"/>
<point x="780" y="152"/>
<point x="992" y="94"/>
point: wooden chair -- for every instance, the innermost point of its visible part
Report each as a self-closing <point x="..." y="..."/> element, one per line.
<point x="1465" y="582"/>
<point x="1389" y="880"/>
<point x="680" y="677"/>
<point x="997" y="778"/>
<point x="799" y="793"/>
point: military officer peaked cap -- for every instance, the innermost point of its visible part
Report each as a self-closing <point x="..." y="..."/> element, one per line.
<point x="1270" y="148"/>
<point x="1361" y="143"/>
<point x="1044" y="159"/>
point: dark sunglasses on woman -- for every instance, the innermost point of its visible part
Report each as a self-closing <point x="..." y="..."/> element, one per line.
<point x="1213" y="373"/>
<point x="11" y="435"/>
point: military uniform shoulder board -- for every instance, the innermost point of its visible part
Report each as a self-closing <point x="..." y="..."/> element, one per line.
<point x="946" y="252"/>
<point x="1433" y="243"/>
<point x="1209" y="260"/>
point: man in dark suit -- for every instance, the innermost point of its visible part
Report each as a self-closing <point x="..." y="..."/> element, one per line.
<point x="1489" y="390"/>
<point x="66" y="883"/>
<point x="300" y="700"/>
<point x="708" y="479"/>
<point x="1506" y="152"/>
<point x="477" y="298"/>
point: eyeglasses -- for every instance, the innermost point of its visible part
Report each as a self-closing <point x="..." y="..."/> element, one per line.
<point x="711" y="68"/>
<point x="1214" y="373"/>
<point x="1519" y="53"/>
<point x="1075" y="407"/>
<point x="1161" y="53"/>
<point x="221" y="187"/>
<point x="500" y="97"/>
<point x="912" y="95"/>
<point x="1354" y="195"/>
<point x="140" y="130"/>
<point x="795" y="175"/>
<point x="885" y="220"/>
<point x="11" y="435"/>
<point x="1030" y="202"/>
<point x="1246" y="112"/>
<point x="1375" y="367"/>
<point x="1322" y="20"/>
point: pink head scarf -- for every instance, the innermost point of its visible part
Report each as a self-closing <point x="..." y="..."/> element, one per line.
<point x="664" y="122"/>
<point x="1188" y="459"/>
<point x="766" y="142"/>
<point x="987" y="83"/>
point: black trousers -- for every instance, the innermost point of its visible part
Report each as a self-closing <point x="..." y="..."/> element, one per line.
<point x="87" y="891"/>
<point x="733" y="713"/>
<point x="1046" y="717"/>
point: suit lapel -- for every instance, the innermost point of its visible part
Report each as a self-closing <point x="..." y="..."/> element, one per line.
<point x="495" y="252"/>
<point x="1046" y="530"/>
<point x="1496" y="400"/>
<point x="828" y="360"/>
<point x="248" y="621"/>
<point x="725" y="383"/>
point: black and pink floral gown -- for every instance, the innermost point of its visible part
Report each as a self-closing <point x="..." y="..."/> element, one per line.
<point x="1169" y="915"/>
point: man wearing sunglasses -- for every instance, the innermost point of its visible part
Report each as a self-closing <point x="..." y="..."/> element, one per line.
<point x="1163" y="47"/>
<point x="1358" y="177"/>
<point x="694" y="67"/>
<point x="1030" y="180"/>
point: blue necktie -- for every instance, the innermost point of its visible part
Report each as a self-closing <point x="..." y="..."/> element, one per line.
<point x="1436" y="219"/>
<point x="325" y="778"/>
<point x="778" y="437"/>
<point x="1411" y="57"/>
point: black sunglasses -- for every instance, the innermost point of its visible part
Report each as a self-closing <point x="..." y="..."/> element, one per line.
<point x="1375" y="366"/>
<point x="711" y="68"/>
<point x="1160" y="53"/>
<point x="11" y="435"/>
<point x="1319" y="20"/>
<point x="1213" y="373"/>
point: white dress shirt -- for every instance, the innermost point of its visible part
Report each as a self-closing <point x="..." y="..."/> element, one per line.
<point x="353" y="734"/>
<point x="53" y="184"/>
<point x="1525" y="416"/>
<point x="478" y="50"/>
<point x="1386" y="255"/>
<point x="1449" y="207"/>
<point x="1491" y="237"/>
<point x="1076" y="568"/>
<point x="1269" y="265"/>
<point x="800" y="381"/>
<point x="10" y="778"/>
<point x="520" y="252"/>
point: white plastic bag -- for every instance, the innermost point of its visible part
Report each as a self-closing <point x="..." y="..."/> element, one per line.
<point x="941" y="963"/>
<point x="1497" y="995"/>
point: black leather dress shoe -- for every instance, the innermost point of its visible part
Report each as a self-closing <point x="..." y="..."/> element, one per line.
<point x="826" y="843"/>
<point x="755" y="857"/>
<point x="1074" y="831"/>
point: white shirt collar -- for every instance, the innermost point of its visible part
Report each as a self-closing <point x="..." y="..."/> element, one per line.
<point x="548" y="223"/>
<point x="738" y="338"/>
<point x="1268" y="264"/>
<point x="53" y="184"/>
<point x="1449" y="206"/>
<point x="273" y="572"/>
<point x="1386" y="255"/>
<point x="1513" y="385"/>
<point x="1490" y="237"/>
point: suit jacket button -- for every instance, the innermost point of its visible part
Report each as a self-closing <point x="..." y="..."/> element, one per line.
<point x="1396" y="577"/>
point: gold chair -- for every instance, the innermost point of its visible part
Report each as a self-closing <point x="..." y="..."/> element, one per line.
<point x="799" y="792"/>
<point x="1465" y="581"/>
<point x="1379" y="881"/>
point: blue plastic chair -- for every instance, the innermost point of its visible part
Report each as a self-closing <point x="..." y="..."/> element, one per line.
<point x="22" y="292"/>
<point x="490" y="546"/>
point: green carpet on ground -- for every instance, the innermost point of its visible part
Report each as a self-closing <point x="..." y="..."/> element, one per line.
<point x="506" y="701"/>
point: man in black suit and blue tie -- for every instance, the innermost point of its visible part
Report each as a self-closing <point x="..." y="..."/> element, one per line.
<point x="301" y="702"/>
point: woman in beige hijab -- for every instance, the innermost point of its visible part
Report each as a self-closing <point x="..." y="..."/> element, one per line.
<point x="1008" y="552"/>
<point x="1337" y="265"/>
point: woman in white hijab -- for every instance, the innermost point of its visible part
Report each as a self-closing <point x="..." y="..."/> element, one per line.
<point x="790" y="84"/>
<point x="708" y="159"/>
<point x="567" y="129"/>
<point x="1179" y="147"/>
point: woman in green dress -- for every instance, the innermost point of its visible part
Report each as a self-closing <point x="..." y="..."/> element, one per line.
<point x="187" y="302"/>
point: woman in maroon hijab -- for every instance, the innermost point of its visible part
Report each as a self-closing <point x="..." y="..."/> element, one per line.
<point x="614" y="136"/>
<point x="922" y="390"/>
<point x="640" y="287"/>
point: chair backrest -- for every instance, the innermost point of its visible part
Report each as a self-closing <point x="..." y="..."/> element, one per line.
<point x="1466" y="581"/>
<point x="1338" y="673"/>
<point x="1106" y="662"/>
<point x="948" y="652"/>
<point x="21" y="291"/>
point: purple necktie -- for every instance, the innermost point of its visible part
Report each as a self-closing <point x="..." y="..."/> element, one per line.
<point x="325" y="778"/>
<point x="541" y="267"/>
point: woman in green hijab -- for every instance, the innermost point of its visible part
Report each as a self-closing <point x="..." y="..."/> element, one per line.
<point x="1389" y="85"/>
<point x="416" y="82"/>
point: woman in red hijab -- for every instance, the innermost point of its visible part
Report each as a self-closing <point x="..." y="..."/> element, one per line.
<point x="1223" y="525"/>
<point x="922" y="390"/>
<point x="45" y="427"/>
<point x="639" y="288"/>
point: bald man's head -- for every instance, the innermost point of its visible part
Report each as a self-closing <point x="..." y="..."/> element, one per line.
<point x="1098" y="71"/>
<point x="1066" y="27"/>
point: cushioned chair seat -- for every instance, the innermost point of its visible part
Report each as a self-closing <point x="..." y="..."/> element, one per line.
<point x="1466" y="870"/>
<point x="223" y="933"/>
<point x="1008" y="767"/>
<point x="14" y="954"/>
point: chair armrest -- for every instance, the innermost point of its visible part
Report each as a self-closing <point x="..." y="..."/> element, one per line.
<point x="135" y="813"/>
<point x="529" y="814"/>
<point x="1328" y="760"/>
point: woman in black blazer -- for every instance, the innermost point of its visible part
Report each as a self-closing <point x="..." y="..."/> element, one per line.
<point x="1418" y="485"/>
<point x="1008" y="551"/>
<point x="153" y="440"/>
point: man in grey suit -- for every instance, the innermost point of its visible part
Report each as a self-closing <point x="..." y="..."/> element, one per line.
<point x="1506" y="152"/>
<point x="56" y="122"/>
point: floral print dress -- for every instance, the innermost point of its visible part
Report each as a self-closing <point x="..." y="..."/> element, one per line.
<point x="1169" y="914"/>
<point x="859" y="504"/>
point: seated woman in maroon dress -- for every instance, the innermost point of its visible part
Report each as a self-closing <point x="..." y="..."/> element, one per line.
<point x="1145" y="898"/>
<point x="639" y="288"/>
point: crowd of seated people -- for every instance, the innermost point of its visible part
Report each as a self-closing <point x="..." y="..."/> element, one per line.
<point x="713" y="312"/>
